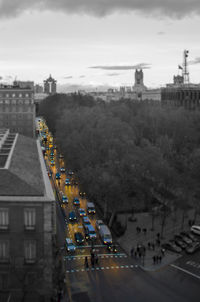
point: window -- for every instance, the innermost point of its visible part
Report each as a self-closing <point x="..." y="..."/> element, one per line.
<point x="4" y="219"/>
<point x="13" y="95"/>
<point x="29" y="218"/>
<point x="30" y="251"/>
<point x="4" y="250"/>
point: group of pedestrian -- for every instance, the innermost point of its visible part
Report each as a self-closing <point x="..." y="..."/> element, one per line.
<point x="94" y="259"/>
<point x="157" y="259"/>
<point x="139" y="230"/>
<point x="138" y="252"/>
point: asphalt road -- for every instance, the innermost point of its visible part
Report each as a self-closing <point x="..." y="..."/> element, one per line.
<point x="117" y="277"/>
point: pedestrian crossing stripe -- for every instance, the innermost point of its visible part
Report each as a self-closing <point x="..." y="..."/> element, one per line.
<point x="79" y="257"/>
<point x="101" y="268"/>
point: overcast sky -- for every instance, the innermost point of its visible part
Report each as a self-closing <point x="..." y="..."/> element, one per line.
<point x="94" y="42"/>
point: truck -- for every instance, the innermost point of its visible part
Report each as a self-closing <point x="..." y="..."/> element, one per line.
<point x="105" y="235"/>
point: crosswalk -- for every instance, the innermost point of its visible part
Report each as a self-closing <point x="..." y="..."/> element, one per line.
<point x="101" y="256"/>
<point x="102" y="268"/>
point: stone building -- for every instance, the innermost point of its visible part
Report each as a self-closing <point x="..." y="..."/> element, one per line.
<point x="27" y="221"/>
<point x="17" y="109"/>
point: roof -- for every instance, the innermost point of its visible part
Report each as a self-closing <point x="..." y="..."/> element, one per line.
<point x="22" y="174"/>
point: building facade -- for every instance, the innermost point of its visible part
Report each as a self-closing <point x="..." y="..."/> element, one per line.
<point x="50" y="86"/>
<point x="17" y="108"/>
<point x="27" y="221"/>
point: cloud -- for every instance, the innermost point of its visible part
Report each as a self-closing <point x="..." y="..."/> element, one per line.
<point x="169" y="8"/>
<point x="114" y="74"/>
<point x="123" y="67"/>
<point x="82" y="76"/>
<point x="195" y="61"/>
<point x="68" y="77"/>
<point x="160" y="33"/>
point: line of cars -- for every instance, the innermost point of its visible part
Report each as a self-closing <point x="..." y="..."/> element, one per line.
<point x="184" y="241"/>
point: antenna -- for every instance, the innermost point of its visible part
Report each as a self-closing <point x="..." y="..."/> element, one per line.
<point x="185" y="72"/>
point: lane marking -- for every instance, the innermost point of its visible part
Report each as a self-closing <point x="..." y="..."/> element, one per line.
<point x="185" y="271"/>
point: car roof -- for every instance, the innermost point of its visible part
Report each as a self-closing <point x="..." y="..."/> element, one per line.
<point x="68" y="240"/>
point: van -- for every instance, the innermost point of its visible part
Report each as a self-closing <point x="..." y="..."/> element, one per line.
<point x="91" y="208"/>
<point x="105" y="234"/>
<point x="195" y="229"/>
<point x="90" y="232"/>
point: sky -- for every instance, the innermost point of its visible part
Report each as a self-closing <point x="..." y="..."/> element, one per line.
<point x="98" y="42"/>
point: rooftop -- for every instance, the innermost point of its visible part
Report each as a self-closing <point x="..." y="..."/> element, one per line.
<point x="20" y="168"/>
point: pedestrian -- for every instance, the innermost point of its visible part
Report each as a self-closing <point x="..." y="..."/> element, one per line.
<point x="158" y="235"/>
<point x="144" y="231"/>
<point x="154" y="259"/>
<point x="158" y="241"/>
<point x="138" y="249"/>
<point x="163" y="252"/>
<point x="160" y="258"/>
<point x="135" y="254"/>
<point x="92" y="261"/>
<point x="86" y="262"/>
<point x="132" y="251"/>
<point x="140" y="255"/>
<point x="96" y="259"/>
<point x="149" y="245"/>
<point x="139" y="229"/>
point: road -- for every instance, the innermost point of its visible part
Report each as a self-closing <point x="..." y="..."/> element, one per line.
<point x="116" y="276"/>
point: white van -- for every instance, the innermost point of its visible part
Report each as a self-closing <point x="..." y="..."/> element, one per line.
<point x="195" y="229"/>
<point x="105" y="234"/>
<point x="91" y="208"/>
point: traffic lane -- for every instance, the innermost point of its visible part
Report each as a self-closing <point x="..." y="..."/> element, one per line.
<point x="184" y="286"/>
<point x="190" y="263"/>
<point x="131" y="284"/>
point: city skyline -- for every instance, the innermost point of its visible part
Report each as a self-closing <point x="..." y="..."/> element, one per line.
<point x="90" y="44"/>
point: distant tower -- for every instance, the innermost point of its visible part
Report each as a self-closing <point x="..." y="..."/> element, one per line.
<point x="139" y="77"/>
<point x="50" y="86"/>
<point x="185" y="72"/>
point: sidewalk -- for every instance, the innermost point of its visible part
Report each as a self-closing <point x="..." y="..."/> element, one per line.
<point x="132" y="238"/>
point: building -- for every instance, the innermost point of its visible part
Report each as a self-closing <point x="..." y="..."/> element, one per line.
<point x="27" y="221"/>
<point x="50" y="86"/>
<point x="38" y="88"/>
<point x="183" y="95"/>
<point x="17" y="108"/>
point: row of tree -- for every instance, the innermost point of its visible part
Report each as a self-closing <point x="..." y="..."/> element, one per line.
<point x="128" y="155"/>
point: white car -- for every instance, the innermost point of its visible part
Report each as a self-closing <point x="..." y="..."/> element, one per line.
<point x="99" y="223"/>
<point x="69" y="245"/>
<point x="195" y="229"/>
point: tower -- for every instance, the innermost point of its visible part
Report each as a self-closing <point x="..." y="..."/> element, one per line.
<point x="185" y="72"/>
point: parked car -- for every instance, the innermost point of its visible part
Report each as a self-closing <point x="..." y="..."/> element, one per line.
<point x="69" y="245"/>
<point x="195" y="229"/>
<point x="91" y="208"/>
<point x="72" y="216"/>
<point x="189" y="235"/>
<point x="79" y="238"/>
<point x="186" y="239"/>
<point x="180" y="243"/>
<point x="193" y="247"/>
<point x="76" y="201"/>
<point x="99" y="223"/>
<point x="171" y="247"/>
<point x="82" y="212"/>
